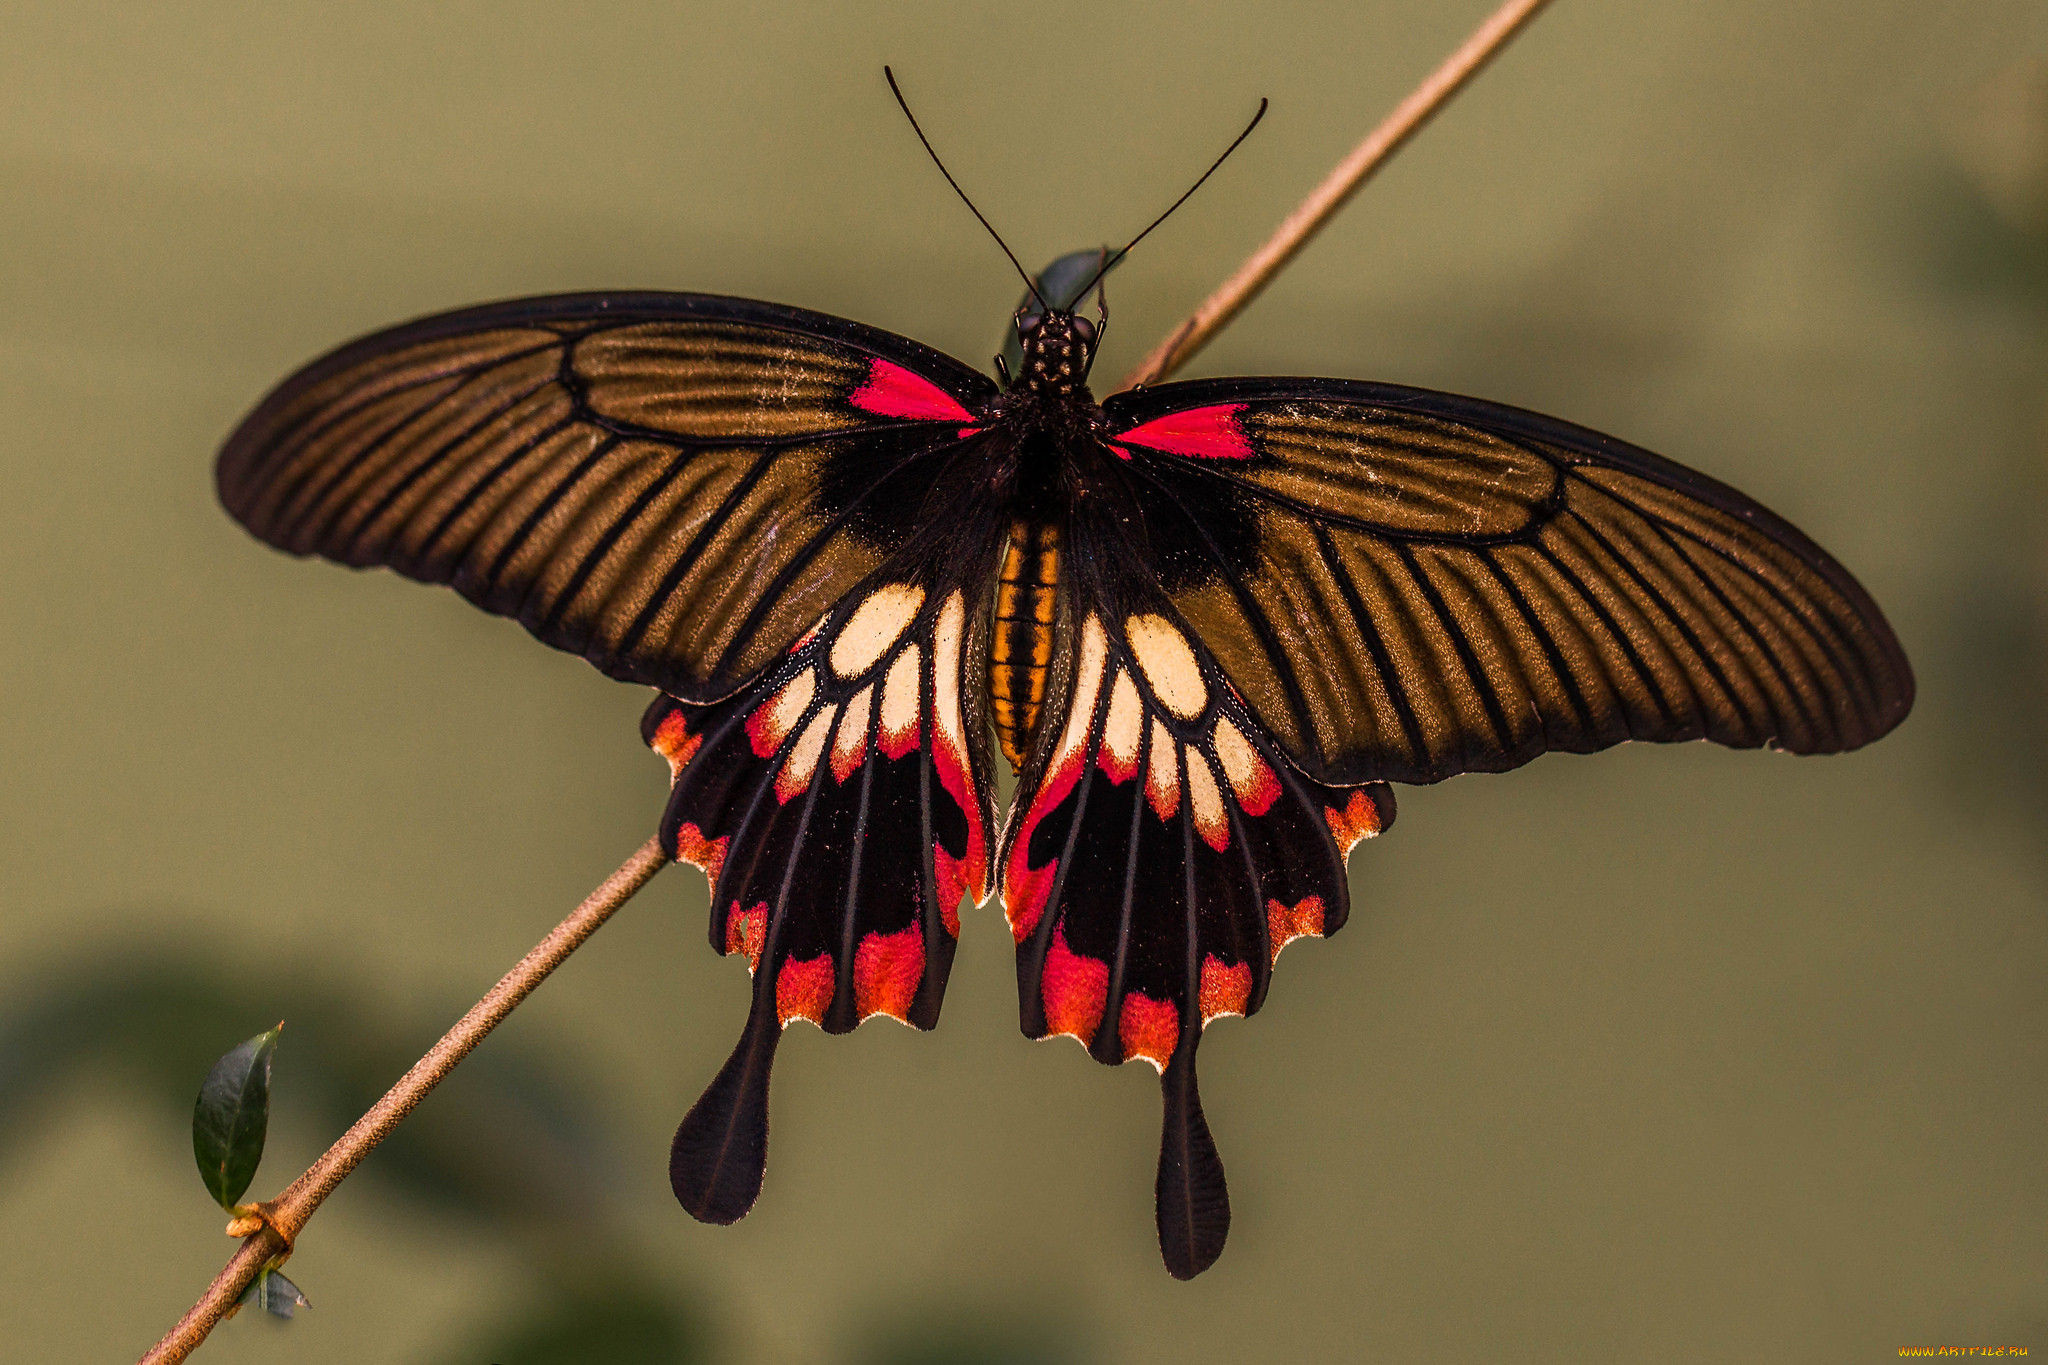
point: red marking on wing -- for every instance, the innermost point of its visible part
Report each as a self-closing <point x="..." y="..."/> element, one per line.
<point x="674" y="742"/>
<point x="1026" y="888"/>
<point x="1117" y="770"/>
<point x="1162" y="780"/>
<point x="1075" y="990"/>
<point x="966" y="876"/>
<point x="1204" y="433"/>
<point x="1121" y="453"/>
<point x="958" y="877"/>
<point x="1360" y="819"/>
<point x="1258" y="795"/>
<point x="1225" y="989"/>
<point x="1149" y="1028"/>
<point x="745" y="931"/>
<point x="892" y="391"/>
<point x="764" y="729"/>
<point x="803" y="990"/>
<point x="1286" y="923"/>
<point x="848" y="761"/>
<point x="886" y="970"/>
<point x="707" y="854"/>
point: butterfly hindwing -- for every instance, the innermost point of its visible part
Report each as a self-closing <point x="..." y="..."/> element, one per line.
<point x="675" y="486"/>
<point x="842" y="809"/>
<point x="1159" y="854"/>
<point x="1404" y="585"/>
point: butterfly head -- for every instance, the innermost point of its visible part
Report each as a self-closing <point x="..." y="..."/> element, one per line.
<point x="1059" y="348"/>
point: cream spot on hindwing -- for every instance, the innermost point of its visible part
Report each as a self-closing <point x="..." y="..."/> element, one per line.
<point x="1205" y="801"/>
<point x="771" y="725"/>
<point x="946" y="671"/>
<point x="1087" y="685"/>
<point x="878" y="622"/>
<point x="1169" y="665"/>
<point x="1162" y="772"/>
<point x="1240" y="764"/>
<point x="901" y="703"/>
<point x="1122" y="731"/>
<point x="851" y="742"/>
<point x="804" y="755"/>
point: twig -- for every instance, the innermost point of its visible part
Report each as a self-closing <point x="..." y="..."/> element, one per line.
<point x="284" y="1216"/>
<point x="1294" y="232"/>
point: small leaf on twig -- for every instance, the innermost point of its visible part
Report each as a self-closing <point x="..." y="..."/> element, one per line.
<point x="274" y="1294"/>
<point x="230" y="1118"/>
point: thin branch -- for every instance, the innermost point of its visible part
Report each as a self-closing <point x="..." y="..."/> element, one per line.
<point x="1323" y="202"/>
<point x="284" y="1216"/>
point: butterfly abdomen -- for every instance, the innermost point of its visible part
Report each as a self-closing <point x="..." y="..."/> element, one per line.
<point x="1020" y="646"/>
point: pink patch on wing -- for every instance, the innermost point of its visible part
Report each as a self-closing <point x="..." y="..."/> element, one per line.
<point x="1075" y="990"/>
<point x="892" y="391"/>
<point x="1204" y="433"/>
<point x="886" y="970"/>
<point x="1149" y="1028"/>
<point x="803" y="990"/>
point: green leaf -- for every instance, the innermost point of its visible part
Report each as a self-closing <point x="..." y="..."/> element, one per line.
<point x="231" y="1116"/>
<point x="271" y="1291"/>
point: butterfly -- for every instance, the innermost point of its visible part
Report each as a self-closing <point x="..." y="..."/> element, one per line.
<point x="1206" y="622"/>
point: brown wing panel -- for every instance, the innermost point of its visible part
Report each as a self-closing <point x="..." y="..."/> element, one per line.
<point x="1405" y="585"/>
<point x="674" y="486"/>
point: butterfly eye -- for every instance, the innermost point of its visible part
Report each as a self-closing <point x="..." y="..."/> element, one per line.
<point x="1084" y="329"/>
<point x="1029" y="323"/>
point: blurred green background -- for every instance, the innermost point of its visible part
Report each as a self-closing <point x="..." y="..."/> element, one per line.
<point x="1669" y="1054"/>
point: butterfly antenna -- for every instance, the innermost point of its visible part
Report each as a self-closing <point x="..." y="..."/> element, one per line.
<point x="1029" y="283"/>
<point x="1118" y="256"/>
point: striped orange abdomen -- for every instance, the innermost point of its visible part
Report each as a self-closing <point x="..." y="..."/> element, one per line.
<point x="1020" y="646"/>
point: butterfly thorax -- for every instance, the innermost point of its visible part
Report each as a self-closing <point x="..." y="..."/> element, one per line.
<point x="1055" y="424"/>
<point x="1056" y="348"/>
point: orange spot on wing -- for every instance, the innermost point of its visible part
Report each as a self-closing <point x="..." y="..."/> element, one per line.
<point x="1286" y="923"/>
<point x="674" y="742"/>
<point x="1360" y="819"/>
<point x="745" y="932"/>
<point x="886" y="970"/>
<point x="1225" y="989"/>
<point x="1149" y="1028"/>
<point x="709" y="854"/>
<point x="1075" y="990"/>
<point x="803" y="990"/>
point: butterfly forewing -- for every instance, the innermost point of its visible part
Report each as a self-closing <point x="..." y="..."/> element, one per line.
<point x="674" y="486"/>
<point x="1405" y="585"/>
